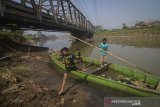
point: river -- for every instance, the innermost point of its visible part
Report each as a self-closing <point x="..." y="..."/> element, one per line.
<point x="145" y="53"/>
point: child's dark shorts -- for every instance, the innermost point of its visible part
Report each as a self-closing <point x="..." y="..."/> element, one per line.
<point x="69" y="69"/>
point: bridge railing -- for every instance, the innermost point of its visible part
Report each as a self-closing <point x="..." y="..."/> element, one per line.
<point x="60" y="11"/>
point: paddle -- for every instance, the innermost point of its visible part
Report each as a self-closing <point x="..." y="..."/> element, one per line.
<point x="112" y="55"/>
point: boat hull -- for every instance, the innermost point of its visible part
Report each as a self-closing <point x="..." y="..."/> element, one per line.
<point x="104" y="82"/>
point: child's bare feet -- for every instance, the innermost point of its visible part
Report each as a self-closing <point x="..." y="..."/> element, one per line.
<point x="60" y="92"/>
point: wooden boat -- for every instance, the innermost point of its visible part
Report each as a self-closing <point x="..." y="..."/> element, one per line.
<point x="114" y="76"/>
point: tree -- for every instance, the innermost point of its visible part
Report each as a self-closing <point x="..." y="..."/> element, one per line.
<point x="124" y="26"/>
<point x="98" y="28"/>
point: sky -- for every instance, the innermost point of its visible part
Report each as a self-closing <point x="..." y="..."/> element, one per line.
<point x="112" y="13"/>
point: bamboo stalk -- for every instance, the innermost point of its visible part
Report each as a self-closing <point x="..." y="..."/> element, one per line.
<point x="128" y="62"/>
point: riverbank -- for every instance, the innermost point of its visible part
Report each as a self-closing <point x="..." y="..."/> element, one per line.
<point x="147" y="31"/>
<point x="150" y="41"/>
<point x="139" y="37"/>
<point x="30" y="80"/>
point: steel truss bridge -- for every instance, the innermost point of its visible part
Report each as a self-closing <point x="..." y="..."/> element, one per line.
<point x="50" y="15"/>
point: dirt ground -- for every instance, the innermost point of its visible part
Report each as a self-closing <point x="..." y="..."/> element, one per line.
<point x="34" y="82"/>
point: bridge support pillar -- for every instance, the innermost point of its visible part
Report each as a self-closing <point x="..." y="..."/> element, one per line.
<point x="82" y="34"/>
<point x="1" y="8"/>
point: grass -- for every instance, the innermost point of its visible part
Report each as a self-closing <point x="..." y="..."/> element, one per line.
<point x="17" y="35"/>
<point x="134" y="31"/>
<point x="28" y="37"/>
<point x="5" y="35"/>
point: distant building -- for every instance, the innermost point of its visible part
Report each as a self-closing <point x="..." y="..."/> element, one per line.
<point x="147" y="24"/>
